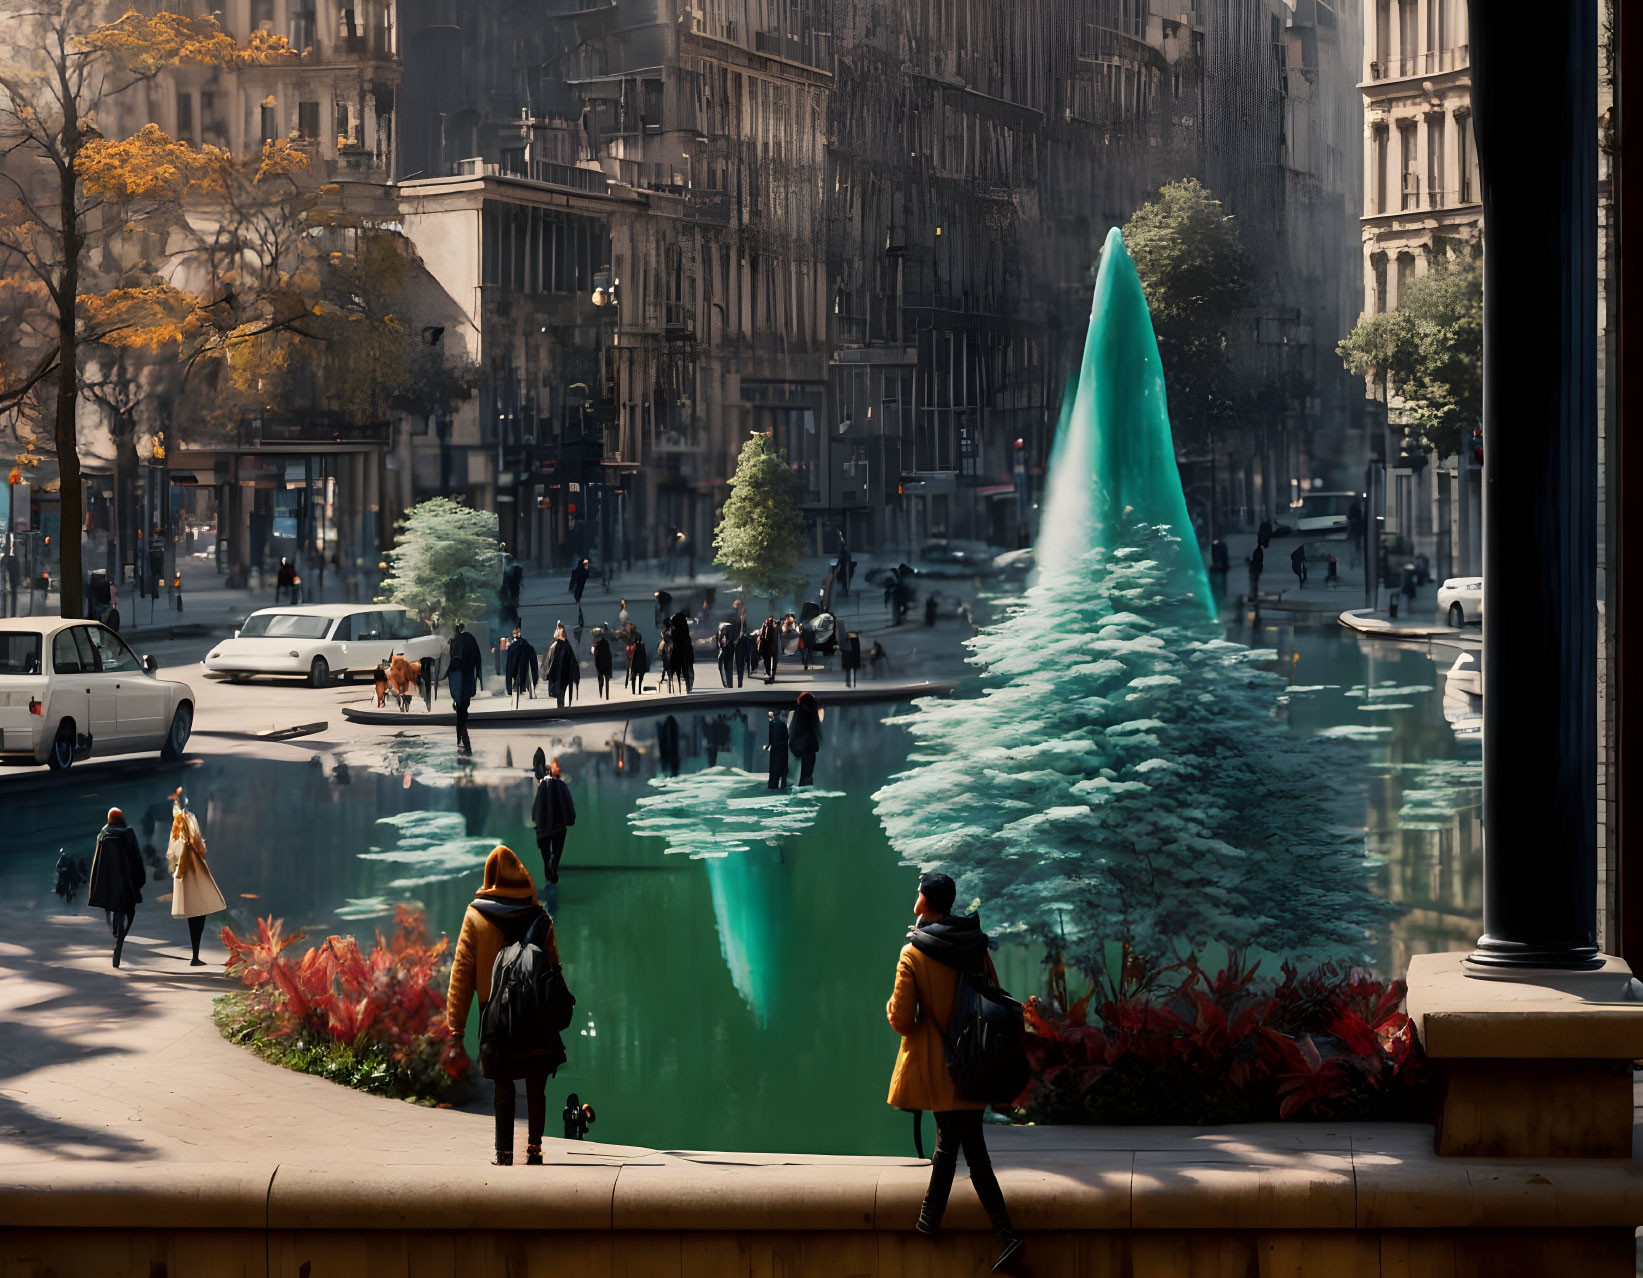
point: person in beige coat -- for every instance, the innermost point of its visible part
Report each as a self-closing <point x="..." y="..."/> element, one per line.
<point x="194" y="892"/>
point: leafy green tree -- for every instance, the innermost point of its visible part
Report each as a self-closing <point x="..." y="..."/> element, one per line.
<point x="1191" y="261"/>
<point x="444" y="566"/>
<point x="761" y="536"/>
<point x="1430" y="351"/>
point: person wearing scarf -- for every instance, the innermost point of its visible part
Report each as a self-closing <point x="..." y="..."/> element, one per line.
<point x="503" y="911"/>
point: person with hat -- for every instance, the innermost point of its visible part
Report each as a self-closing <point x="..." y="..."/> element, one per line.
<point x="504" y="911"/>
<point x="117" y="877"/>
<point x="943" y="946"/>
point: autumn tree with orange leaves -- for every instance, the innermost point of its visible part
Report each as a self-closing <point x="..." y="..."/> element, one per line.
<point x="142" y="243"/>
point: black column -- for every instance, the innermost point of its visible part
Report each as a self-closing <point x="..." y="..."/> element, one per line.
<point x="1537" y="154"/>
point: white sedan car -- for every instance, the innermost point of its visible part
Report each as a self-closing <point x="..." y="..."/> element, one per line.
<point x="73" y="689"/>
<point x="320" y="640"/>
<point x="1460" y="599"/>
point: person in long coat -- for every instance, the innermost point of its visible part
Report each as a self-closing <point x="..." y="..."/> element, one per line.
<point x="522" y="669"/>
<point x="579" y="579"/>
<point x="850" y="659"/>
<point x="466" y="674"/>
<point x="804" y="735"/>
<point x="117" y="877"/>
<point x="553" y="812"/>
<point x="941" y="945"/>
<point x="560" y="664"/>
<point x="770" y="648"/>
<point x="776" y="745"/>
<point x="726" y="642"/>
<point x="601" y="664"/>
<point x="683" y="651"/>
<point x="504" y="910"/>
<point x="194" y="891"/>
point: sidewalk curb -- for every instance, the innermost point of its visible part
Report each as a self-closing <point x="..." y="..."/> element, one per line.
<point x="1366" y="621"/>
<point x="770" y="696"/>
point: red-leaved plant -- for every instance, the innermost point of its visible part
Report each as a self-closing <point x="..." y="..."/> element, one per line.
<point x="1175" y="1044"/>
<point x="390" y="998"/>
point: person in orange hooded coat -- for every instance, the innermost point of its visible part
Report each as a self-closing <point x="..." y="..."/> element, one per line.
<point x="942" y="946"/>
<point x="503" y="912"/>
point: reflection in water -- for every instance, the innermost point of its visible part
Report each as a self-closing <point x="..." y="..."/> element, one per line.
<point x="732" y="820"/>
<point x="763" y="1029"/>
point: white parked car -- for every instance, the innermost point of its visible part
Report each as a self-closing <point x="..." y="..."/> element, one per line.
<point x="1460" y="599"/>
<point x="321" y="640"/>
<point x="73" y="689"/>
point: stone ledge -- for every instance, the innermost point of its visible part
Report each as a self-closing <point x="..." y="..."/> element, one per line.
<point x="1389" y="1178"/>
<point x="1577" y="1017"/>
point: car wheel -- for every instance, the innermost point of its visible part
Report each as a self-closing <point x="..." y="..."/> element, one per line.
<point x="1457" y="616"/>
<point x="61" y="757"/>
<point x="182" y="723"/>
<point x="319" y="674"/>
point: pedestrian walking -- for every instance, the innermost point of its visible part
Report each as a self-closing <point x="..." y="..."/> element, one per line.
<point x="194" y="892"/>
<point x="427" y="677"/>
<point x="1263" y="534"/>
<point x="664" y="601"/>
<point x="1257" y="560"/>
<point x="844" y="568"/>
<point x="880" y="660"/>
<point x="622" y="618"/>
<point x="505" y="913"/>
<point x="577" y="1118"/>
<point x="602" y="665"/>
<point x="776" y="746"/>
<point x="807" y="643"/>
<point x="943" y="947"/>
<point x="522" y="669"/>
<point x="285" y="582"/>
<point x="747" y="654"/>
<point x="560" y="665"/>
<point x="850" y="659"/>
<point x="1297" y="563"/>
<point x="638" y="664"/>
<point x="683" y="652"/>
<point x="716" y="737"/>
<point x="804" y="735"/>
<point x="552" y="814"/>
<point x="725" y="640"/>
<point x="1333" y="573"/>
<point x="11" y="579"/>
<point x="579" y="579"/>
<point x="770" y="648"/>
<point x="465" y="676"/>
<point x="931" y="609"/>
<point x="117" y="877"/>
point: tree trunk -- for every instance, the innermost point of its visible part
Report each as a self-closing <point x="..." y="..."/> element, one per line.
<point x="71" y="491"/>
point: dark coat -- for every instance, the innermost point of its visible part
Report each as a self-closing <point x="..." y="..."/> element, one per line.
<point x="804" y="734"/>
<point x="851" y="660"/>
<point x="770" y="639"/>
<point x="521" y="659"/>
<point x="778" y="737"/>
<point x="747" y="651"/>
<point x="601" y="656"/>
<point x="561" y="666"/>
<point x="552" y="809"/>
<point x="683" y="651"/>
<point x="117" y="874"/>
<point x="465" y="656"/>
<point x="579" y="576"/>
<point x="639" y="658"/>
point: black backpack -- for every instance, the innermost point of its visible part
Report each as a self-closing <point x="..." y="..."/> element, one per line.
<point x="529" y="1004"/>
<point x="985" y="1052"/>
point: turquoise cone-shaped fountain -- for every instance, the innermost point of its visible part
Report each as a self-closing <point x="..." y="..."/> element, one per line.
<point x="1113" y="465"/>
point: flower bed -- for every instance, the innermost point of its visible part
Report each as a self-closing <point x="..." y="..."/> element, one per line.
<point x="373" y="1021"/>
<point x="1177" y="1045"/>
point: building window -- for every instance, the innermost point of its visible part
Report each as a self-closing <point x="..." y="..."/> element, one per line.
<point x="1463" y="156"/>
<point x="342" y="123"/>
<point x="1378" y="193"/>
<point x="1406" y="273"/>
<point x="308" y="120"/>
<point x="1408" y="153"/>
<point x="1436" y="196"/>
<point x="262" y="15"/>
<point x="185" y="116"/>
<point x="270" y="123"/>
<point x="1378" y="263"/>
<point x="1382" y="66"/>
<point x="1408" y="36"/>
<point x="302" y="26"/>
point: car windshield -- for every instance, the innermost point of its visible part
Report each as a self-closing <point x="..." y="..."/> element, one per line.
<point x="291" y="625"/>
<point x="19" y="654"/>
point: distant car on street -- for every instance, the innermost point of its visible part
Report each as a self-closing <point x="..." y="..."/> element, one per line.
<point x="1460" y="600"/>
<point x="944" y="558"/>
<point x="70" y="690"/>
<point x="322" y="640"/>
<point x="1323" y="512"/>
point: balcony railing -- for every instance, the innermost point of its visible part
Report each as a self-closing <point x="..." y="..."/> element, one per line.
<point x="816" y="51"/>
<point x="568" y="175"/>
<point x="1428" y="62"/>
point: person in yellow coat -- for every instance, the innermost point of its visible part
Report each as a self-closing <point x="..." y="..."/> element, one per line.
<point x="504" y="911"/>
<point x="194" y="892"/>
<point x="940" y="946"/>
